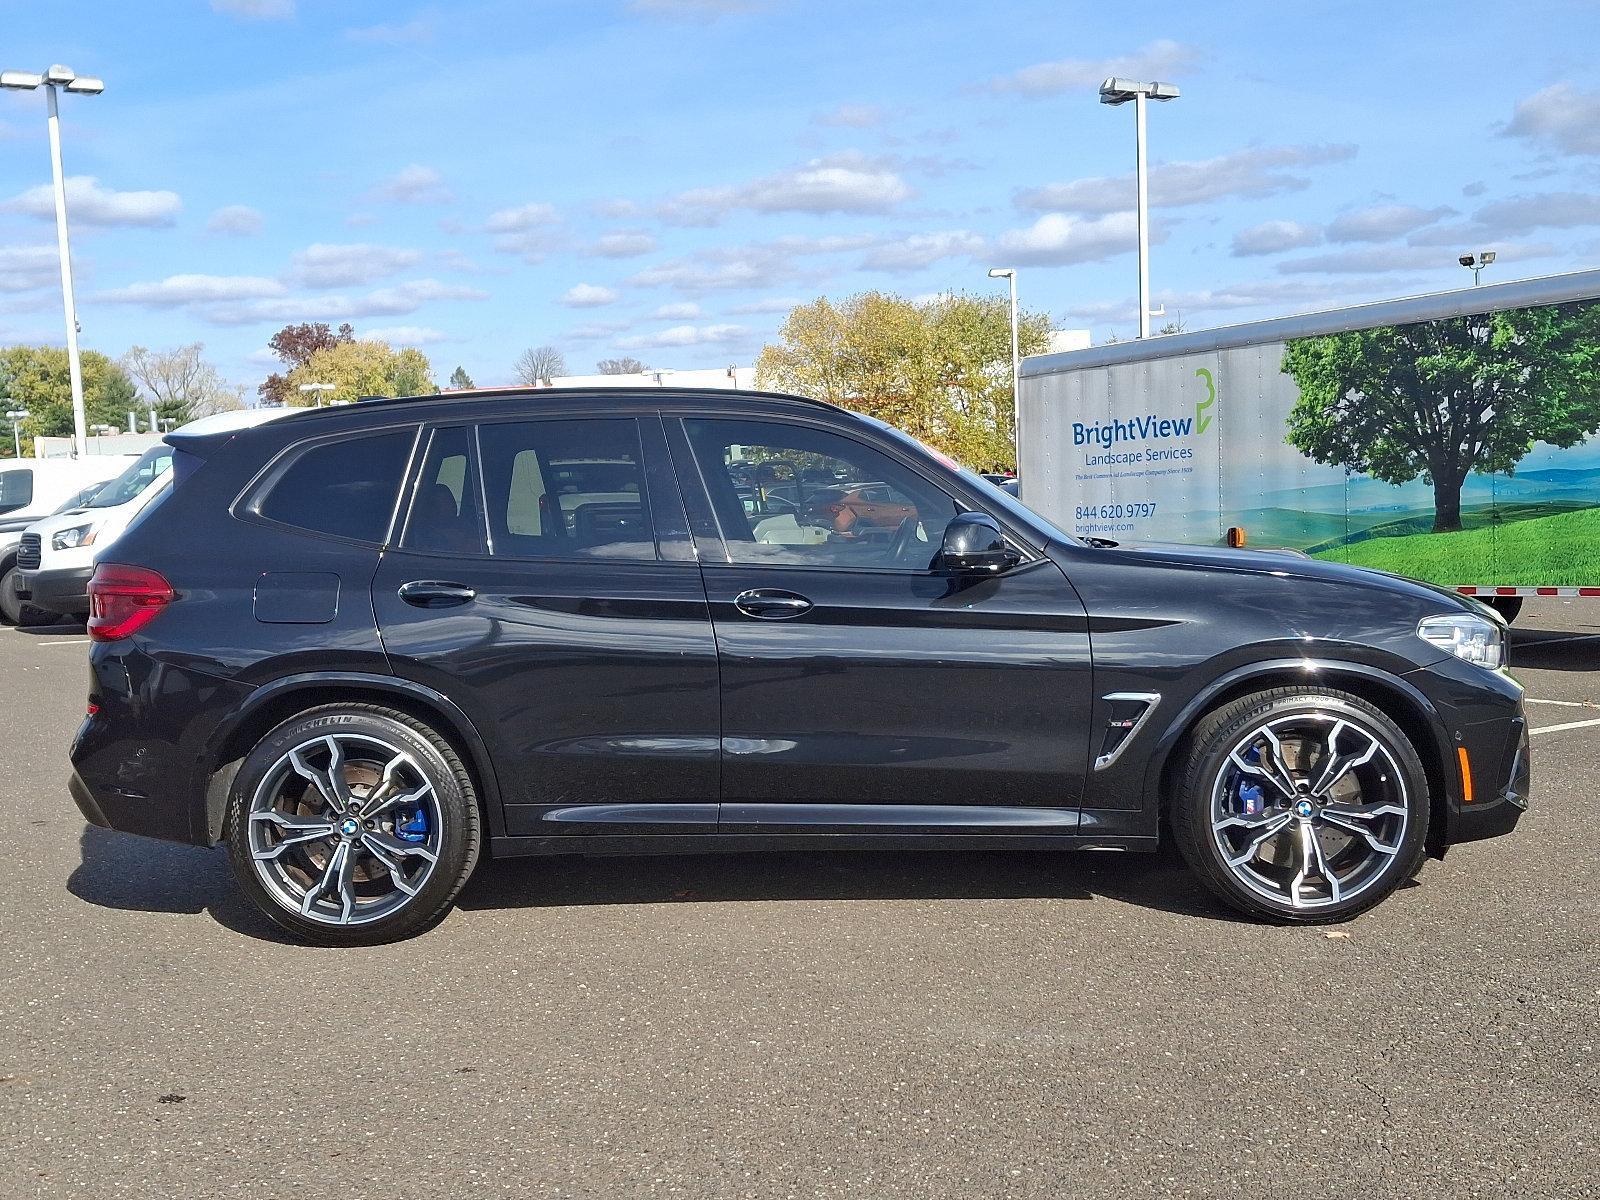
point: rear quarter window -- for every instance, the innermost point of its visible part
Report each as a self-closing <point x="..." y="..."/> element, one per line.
<point x="345" y="488"/>
<point x="16" y="489"/>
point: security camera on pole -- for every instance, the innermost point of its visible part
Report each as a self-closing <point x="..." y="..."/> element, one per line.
<point x="1120" y="91"/>
<point x="64" y="77"/>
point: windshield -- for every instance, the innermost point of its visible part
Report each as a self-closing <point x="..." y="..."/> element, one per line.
<point x="151" y="465"/>
<point x="80" y="498"/>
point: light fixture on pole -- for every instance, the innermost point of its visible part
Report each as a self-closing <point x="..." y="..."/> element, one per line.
<point x="1009" y="274"/>
<point x="657" y="373"/>
<point x="86" y="85"/>
<point x="100" y="431"/>
<point x="17" y="416"/>
<point x="1476" y="263"/>
<point x="1120" y="91"/>
<point x="317" y="390"/>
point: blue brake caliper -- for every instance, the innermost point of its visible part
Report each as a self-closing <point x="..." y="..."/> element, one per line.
<point x="413" y="828"/>
<point x="1250" y="802"/>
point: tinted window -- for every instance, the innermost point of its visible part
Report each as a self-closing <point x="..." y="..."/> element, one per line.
<point x="446" y="514"/>
<point x="346" y="488"/>
<point x="791" y="494"/>
<point x="130" y="485"/>
<point x="16" y="488"/>
<point x="566" y="489"/>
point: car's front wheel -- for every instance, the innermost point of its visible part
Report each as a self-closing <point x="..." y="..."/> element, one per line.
<point x="353" y="824"/>
<point x="1301" y="805"/>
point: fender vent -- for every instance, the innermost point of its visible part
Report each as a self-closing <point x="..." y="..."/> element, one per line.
<point x="1128" y="711"/>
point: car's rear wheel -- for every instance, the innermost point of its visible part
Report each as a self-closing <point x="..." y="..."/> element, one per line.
<point x="1301" y="805"/>
<point x="353" y="824"/>
<point x="14" y="610"/>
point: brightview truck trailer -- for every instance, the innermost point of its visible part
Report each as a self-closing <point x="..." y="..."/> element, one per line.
<point x="1454" y="438"/>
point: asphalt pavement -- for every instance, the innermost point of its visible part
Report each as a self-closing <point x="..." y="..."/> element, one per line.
<point x="870" y="1024"/>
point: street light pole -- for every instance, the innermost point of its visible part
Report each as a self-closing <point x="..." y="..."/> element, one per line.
<point x="1476" y="263"/>
<point x="1120" y="91"/>
<point x="16" y="417"/>
<point x="1009" y="274"/>
<point x="27" y="81"/>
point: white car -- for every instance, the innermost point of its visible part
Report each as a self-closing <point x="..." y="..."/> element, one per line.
<point x="33" y="488"/>
<point x="57" y="555"/>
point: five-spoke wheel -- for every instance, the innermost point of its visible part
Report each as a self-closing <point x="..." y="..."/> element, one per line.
<point x="353" y="824"/>
<point x="1303" y="805"/>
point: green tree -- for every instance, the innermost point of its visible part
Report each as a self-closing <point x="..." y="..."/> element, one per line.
<point x="36" y="378"/>
<point x="1438" y="400"/>
<point x="940" y="369"/>
<point x="294" y="345"/>
<point x="460" y="381"/>
<point x="365" y="368"/>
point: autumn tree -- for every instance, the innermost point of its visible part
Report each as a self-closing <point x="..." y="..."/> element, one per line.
<point x="36" y="378"/>
<point x="179" y="385"/>
<point x="539" y="366"/>
<point x="621" y="366"/>
<point x="294" y="345"/>
<point x="939" y="369"/>
<point x="362" y="368"/>
<point x="1438" y="400"/>
<point x="460" y="381"/>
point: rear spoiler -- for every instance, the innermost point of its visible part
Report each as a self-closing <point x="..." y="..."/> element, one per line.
<point x="204" y="437"/>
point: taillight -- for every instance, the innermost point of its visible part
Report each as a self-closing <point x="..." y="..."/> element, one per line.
<point x="124" y="599"/>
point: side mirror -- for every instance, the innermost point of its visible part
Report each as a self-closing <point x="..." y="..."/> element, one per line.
<point x="974" y="545"/>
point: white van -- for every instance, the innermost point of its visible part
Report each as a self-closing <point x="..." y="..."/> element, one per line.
<point x="33" y="488"/>
<point x="57" y="555"/>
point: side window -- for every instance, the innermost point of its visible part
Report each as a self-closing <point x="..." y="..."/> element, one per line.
<point x="567" y="489"/>
<point x="16" y="489"/>
<point x="446" y="513"/>
<point x="345" y="488"/>
<point x="789" y="494"/>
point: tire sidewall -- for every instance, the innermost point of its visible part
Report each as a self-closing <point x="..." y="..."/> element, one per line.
<point x="457" y="810"/>
<point x="1208" y="758"/>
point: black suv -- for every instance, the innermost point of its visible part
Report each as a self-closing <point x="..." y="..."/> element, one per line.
<point x="364" y="645"/>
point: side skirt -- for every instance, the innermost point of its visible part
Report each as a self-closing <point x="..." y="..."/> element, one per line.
<point x="743" y="843"/>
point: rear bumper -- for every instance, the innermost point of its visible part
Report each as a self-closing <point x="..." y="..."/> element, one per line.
<point x="63" y="591"/>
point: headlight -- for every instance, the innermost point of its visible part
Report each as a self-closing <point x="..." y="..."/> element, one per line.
<point x="1474" y="639"/>
<point x="78" y="535"/>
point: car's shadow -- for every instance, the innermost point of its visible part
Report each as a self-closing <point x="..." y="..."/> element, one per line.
<point x="137" y="874"/>
<point x="1556" y="649"/>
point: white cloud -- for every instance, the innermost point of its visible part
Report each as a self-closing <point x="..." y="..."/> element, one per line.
<point x="687" y="311"/>
<point x="1274" y="237"/>
<point x="594" y="331"/>
<point x="1255" y="172"/>
<point x="686" y="335"/>
<point x="622" y="245"/>
<point x="1560" y="116"/>
<point x="1476" y="188"/>
<point x="694" y="10"/>
<point x="411" y="33"/>
<point x="90" y="204"/>
<point x="1542" y="210"/>
<point x="178" y="290"/>
<point x="776" y="304"/>
<point x="415" y="184"/>
<point x="406" y="335"/>
<point x="398" y="300"/>
<point x="843" y="183"/>
<point x="238" y="220"/>
<point x="255" y="10"/>
<point x="853" y="116"/>
<point x="922" y="249"/>
<point x="1156" y="60"/>
<point x="24" y="268"/>
<point x="588" y="295"/>
<point x="1383" y="222"/>
<point x="1057" y="239"/>
<point x="323" y="265"/>
<point x="521" y="218"/>
<point x="1367" y="260"/>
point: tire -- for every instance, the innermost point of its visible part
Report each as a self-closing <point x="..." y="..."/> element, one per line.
<point x="1368" y="825"/>
<point x="408" y="847"/>
<point x="1507" y="606"/>
<point x="16" y="611"/>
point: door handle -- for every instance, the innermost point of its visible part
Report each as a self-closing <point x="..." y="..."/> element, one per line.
<point x="769" y="604"/>
<point x="435" y="593"/>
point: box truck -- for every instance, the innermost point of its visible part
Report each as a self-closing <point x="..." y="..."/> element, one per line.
<point x="1453" y="438"/>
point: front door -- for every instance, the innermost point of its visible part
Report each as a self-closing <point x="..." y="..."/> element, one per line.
<point x="544" y="581"/>
<point x="860" y="688"/>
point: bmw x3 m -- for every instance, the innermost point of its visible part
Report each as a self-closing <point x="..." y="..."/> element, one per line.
<point x="366" y="646"/>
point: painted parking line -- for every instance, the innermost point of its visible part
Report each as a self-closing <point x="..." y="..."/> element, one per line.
<point x="1562" y="703"/>
<point x="1566" y="725"/>
<point x="67" y="642"/>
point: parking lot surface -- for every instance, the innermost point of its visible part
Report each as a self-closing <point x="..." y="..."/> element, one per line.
<point x="992" y="1023"/>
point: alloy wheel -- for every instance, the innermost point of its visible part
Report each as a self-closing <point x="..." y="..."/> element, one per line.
<point x="344" y="829"/>
<point x="1309" y="810"/>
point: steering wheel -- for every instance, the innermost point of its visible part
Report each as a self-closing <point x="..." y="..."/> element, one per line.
<point x="904" y="538"/>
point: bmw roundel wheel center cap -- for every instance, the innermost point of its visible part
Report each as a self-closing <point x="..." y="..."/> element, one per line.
<point x="1304" y="808"/>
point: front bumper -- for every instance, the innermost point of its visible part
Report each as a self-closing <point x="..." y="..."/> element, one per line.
<point x="63" y="591"/>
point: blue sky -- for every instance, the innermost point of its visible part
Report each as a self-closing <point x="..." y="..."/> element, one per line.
<point x="664" y="178"/>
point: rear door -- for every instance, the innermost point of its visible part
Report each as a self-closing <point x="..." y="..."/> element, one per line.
<point x="861" y="689"/>
<point x="545" y="582"/>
